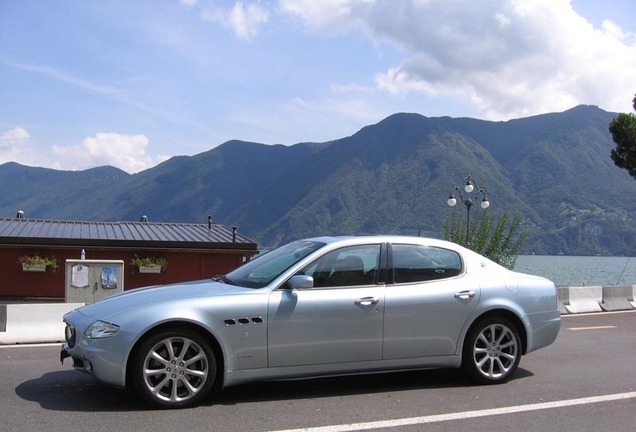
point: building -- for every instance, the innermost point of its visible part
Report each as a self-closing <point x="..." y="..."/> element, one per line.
<point x="191" y="251"/>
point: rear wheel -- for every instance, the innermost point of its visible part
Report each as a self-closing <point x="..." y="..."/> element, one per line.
<point x="492" y="351"/>
<point x="174" y="368"/>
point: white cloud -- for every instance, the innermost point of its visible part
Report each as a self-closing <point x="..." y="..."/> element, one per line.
<point x="14" y="146"/>
<point x="243" y="19"/>
<point x="333" y="16"/>
<point x="13" y="136"/>
<point x="508" y="58"/>
<point x="62" y="76"/>
<point x="127" y="152"/>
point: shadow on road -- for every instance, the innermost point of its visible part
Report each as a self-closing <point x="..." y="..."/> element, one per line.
<point x="347" y="385"/>
<point x="76" y="392"/>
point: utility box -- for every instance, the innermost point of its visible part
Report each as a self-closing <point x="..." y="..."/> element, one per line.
<point x="88" y="281"/>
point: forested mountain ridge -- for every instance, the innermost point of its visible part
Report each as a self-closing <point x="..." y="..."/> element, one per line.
<point x="391" y="177"/>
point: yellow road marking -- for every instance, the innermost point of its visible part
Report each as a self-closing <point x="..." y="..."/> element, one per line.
<point x="592" y="328"/>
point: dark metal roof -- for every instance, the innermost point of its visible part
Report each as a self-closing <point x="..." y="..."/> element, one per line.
<point x="138" y="234"/>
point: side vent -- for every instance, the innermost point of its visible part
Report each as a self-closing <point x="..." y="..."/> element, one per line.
<point x="242" y="321"/>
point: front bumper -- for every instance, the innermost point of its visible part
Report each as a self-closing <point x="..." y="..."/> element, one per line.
<point x="64" y="354"/>
<point x="105" y="359"/>
<point x="79" y="363"/>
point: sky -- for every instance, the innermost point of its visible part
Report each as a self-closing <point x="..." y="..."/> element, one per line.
<point x="131" y="83"/>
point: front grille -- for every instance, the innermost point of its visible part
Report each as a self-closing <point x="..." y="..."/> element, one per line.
<point x="70" y="335"/>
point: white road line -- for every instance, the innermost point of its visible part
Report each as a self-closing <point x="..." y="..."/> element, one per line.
<point x="599" y="314"/>
<point x="465" y="415"/>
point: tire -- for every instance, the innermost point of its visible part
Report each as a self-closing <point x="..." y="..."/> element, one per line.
<point x="173" y="369"/>
<point x="492" y="351"/>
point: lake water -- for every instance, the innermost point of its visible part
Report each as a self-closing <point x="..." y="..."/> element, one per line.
<point x="572" y="271"/>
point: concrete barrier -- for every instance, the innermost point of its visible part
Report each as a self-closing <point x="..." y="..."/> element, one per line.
<point x="563" y="298"/>
<point x="584" y="299"/>
<point x="42" y="323"/>
<point x="616" y="298"/>
<point x="3" y="318"/>
<point x="35" y="323"/>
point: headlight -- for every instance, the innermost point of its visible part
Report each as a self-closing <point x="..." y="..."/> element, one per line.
<point x="101" y="329"/>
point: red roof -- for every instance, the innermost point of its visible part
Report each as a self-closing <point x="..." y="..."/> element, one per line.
<point x="138" y="234"/>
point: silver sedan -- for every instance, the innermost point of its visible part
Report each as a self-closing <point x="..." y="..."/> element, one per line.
<point x="316" y="307"/>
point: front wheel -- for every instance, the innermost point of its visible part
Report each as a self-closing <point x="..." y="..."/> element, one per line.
<point x="173" y="369"/>
<point x="492" y="351"/>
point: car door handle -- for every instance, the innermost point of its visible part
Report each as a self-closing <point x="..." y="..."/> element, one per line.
<point x="465" y="295"/>
<point x="367" y="301"/>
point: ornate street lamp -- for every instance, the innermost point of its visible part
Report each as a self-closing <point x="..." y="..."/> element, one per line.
<point x="468" y="200"/>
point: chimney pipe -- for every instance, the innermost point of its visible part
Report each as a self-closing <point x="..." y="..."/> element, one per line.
<point x="20" y="215"/>
<point x="233" y="234"/>
<point x="144" y="218"/>
<point x="209" y="222"/>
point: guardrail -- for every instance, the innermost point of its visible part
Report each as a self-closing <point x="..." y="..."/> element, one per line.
<point x="42" y="323"/>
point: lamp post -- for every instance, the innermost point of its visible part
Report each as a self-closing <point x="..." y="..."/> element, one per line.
<point x="468" y="200"/>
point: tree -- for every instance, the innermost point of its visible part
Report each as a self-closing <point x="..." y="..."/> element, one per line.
<point x="623" y="130"/>
<point x="499" y="241"/>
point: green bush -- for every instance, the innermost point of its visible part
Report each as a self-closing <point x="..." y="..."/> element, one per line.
<point x="499" y="241"/>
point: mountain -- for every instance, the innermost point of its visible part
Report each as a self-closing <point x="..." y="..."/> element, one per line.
<point x="391" y="177"/>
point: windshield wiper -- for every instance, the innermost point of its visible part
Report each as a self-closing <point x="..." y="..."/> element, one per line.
<point x="222" y="278"/>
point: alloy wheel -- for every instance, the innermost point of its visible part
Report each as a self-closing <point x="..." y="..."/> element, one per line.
<point x="495" y="352"/>
<point x="175" y="369"/>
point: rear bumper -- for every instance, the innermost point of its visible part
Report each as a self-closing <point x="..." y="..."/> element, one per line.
<point x="545" y="327"/>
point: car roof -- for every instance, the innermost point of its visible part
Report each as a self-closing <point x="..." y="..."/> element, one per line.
<point x="471" y="258"/>
<point x="386" y="238"/>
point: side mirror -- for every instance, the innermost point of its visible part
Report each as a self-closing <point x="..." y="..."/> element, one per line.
<point x="300" y="282"/>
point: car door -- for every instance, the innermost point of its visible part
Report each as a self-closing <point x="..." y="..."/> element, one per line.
<point x="428" y="302"/>
<point x="339" y="319"/>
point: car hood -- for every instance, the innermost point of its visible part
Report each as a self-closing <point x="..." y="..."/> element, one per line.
<point x="139" y="297"/>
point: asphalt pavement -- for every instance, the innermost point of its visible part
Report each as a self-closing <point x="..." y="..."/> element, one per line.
<point x="584" y="381"/>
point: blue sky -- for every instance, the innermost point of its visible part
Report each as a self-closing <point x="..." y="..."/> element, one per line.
<point x="130" y="83"/>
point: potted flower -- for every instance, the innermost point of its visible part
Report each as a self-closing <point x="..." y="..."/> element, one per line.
<point x="149" y="264"/>
<point x="36" y="263"/>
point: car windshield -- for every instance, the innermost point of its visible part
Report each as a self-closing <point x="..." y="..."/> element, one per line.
<point x="262" y="270"/>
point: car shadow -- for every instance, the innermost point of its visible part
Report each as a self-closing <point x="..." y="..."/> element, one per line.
<point x="75" y="392"/>
<point x="431" y="379"/>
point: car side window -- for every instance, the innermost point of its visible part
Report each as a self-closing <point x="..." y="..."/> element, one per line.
<point x="349" y="266"/>
<point x="416" y="263"/>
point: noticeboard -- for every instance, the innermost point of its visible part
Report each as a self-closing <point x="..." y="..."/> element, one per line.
<point x="88" y="281"/>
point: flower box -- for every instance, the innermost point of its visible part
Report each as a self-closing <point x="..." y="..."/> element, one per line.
<point x="33" y="267"/>
<point x="37" y="263"/>
<point x="149" y="265"/>
<point x="150" y="269"/>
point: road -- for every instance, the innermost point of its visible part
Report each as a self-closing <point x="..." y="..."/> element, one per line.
<point x="585" y="381"/>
